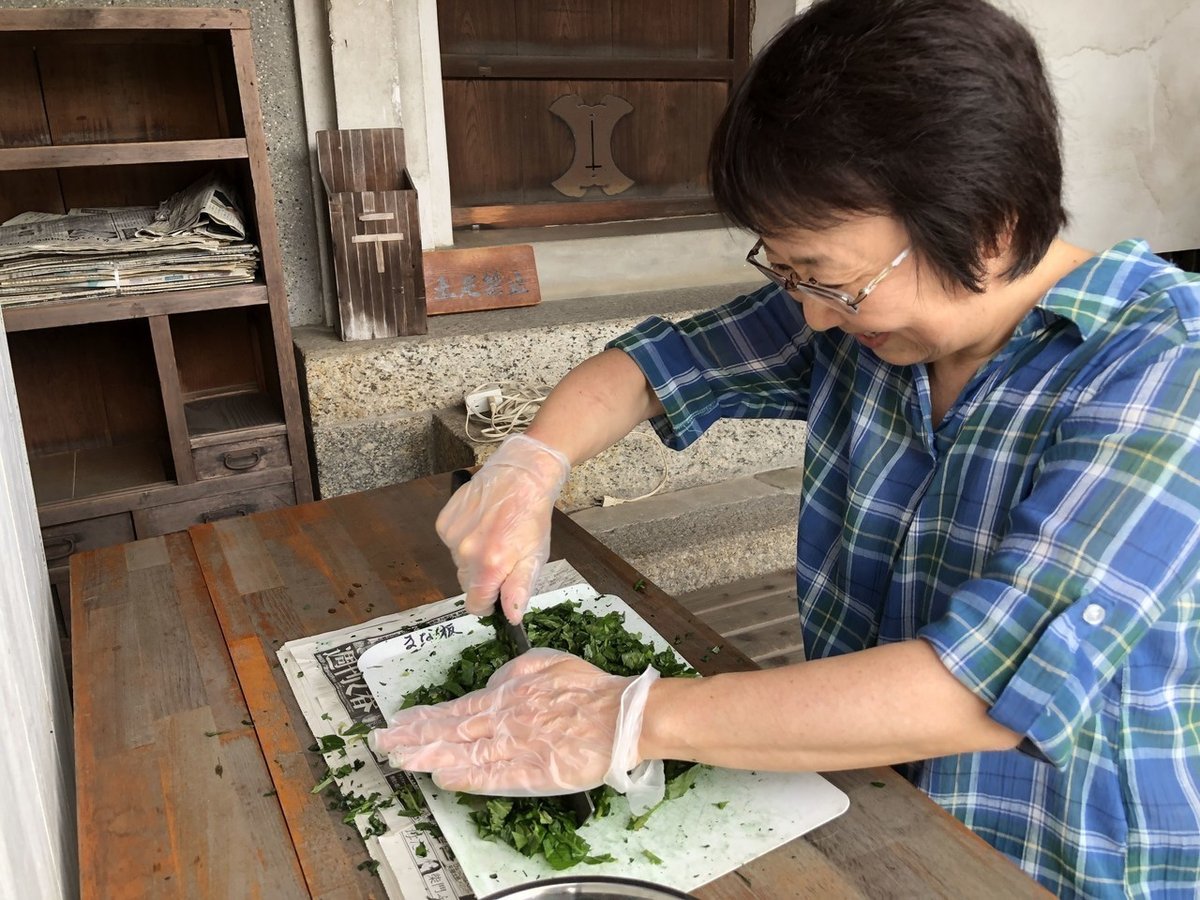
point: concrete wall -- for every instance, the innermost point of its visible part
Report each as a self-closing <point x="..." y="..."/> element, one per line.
<point x="275" y="58"/>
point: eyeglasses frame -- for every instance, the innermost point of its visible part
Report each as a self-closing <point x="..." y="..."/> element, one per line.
<point x="840" y="300"/>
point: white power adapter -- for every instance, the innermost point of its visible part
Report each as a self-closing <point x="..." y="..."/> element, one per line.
<point x="479" y="402"/>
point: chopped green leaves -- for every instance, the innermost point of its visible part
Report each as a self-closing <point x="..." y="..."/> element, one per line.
<point x="546" y="825"/>
<point x="339" y="772"/>
<point x="652" y="857"/>
<point x="680" y="778"/>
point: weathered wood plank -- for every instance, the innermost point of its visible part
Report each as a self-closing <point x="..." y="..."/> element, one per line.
<point x="168" y="379"/>
<point x="174" y="798"/>
<point x="584" y="212"/>
<point x="55" y="314"/>
<point x="279" y="576"/>
<point x="752" y="589"/>
<point x="737" y="619"/>
<point x="272" y="262"/>
<point x="74" y="155"/>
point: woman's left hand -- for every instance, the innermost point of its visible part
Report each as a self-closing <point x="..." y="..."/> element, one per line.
<point x="548" y="723"/>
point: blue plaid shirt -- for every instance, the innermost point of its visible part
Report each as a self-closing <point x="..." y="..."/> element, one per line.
<point x="1044" y="538"/>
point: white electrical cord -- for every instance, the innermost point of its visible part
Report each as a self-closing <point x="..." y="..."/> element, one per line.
<point x="501" y="408"/>
<point x="510" y="408"/>
<point x="662" y="482"/>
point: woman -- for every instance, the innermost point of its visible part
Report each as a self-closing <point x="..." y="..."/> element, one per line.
<point x="998" y="542"/>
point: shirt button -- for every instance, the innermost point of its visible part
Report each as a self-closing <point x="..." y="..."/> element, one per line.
<point x="1093" y="614"/>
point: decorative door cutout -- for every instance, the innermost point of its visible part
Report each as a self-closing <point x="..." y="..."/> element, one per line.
<point x="592" y="128"/>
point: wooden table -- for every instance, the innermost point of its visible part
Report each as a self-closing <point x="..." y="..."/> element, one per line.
<point x="192" y="767"/>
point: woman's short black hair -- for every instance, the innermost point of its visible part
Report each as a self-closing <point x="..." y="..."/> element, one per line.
<point x="936" y="112"/>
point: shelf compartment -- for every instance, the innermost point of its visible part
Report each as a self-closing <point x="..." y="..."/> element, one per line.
<point x="93" y="472"/>
<point x="233" y="414"/>
<point x="55" y="313"/>
<point x="69" y="156"/>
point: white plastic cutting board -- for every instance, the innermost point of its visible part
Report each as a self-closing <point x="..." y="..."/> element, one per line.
<point x="696" y="840"/>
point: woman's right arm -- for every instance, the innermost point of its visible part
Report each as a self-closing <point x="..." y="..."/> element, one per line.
<point x="594" y="406"/>
<point x="498" y="526"/>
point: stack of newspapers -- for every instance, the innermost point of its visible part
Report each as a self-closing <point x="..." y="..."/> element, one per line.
<point x="195" y="239"/>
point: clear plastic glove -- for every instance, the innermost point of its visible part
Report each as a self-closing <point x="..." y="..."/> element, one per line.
<point x="548" y="723"/>
<point x="497" y="526"/>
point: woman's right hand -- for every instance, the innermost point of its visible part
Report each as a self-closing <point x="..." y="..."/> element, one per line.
<point x="497" y="526"/>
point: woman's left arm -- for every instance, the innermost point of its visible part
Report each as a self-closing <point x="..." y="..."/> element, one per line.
<point x="889" y="704"/>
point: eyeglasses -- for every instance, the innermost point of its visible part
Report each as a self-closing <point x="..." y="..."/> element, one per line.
<point x="831" y="296"/>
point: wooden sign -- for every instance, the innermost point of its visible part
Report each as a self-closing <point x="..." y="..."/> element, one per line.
<point x="477" y="278"/>
<point x="376" y="233"/>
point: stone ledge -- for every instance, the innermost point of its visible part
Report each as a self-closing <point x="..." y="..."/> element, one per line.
<point x="698" y="537"/>
<point x="535" y="345"/>
<point x="635" y="465"/>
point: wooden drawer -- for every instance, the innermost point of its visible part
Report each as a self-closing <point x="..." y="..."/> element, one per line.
<point x="60" y="541"/>
<point x="178" y="516"/>
<point x="270" y="452"/>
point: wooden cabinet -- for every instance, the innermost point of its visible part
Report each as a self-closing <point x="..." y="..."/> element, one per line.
<point x="145" y="414"/>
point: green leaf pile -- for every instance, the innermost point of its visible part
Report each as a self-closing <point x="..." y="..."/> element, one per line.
<point x="545" y="826"/>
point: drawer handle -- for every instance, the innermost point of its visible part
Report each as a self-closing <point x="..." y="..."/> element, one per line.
<point x="60" y="547"/>
<point x="241" y="460"/>
<point x="228" y="512"/>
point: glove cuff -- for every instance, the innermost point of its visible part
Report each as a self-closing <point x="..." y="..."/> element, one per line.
<point x="645" y="784"/>
<point x="549" y="466"/>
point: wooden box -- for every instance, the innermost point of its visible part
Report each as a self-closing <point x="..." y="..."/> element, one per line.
<point x="376" y="233"/>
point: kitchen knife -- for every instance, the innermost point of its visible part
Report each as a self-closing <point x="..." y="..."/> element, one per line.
<point x="579" y="804"/>
<point x="505" y="630"/>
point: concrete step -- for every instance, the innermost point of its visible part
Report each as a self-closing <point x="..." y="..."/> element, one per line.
<point x="713" y="534"/>
<point x="638" y="463"/>
<point x="757" y="615"/>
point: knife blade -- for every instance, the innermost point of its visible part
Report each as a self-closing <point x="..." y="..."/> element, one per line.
<point x="580" y="804"/>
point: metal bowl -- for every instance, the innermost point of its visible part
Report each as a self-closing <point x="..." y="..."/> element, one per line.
<point x="593" y="888"/>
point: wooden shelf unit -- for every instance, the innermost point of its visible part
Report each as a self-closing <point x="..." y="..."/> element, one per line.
<point x="145" y="413"/>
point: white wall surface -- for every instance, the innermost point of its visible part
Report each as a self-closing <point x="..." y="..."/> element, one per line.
<point x="37" y="826"/>
<point x="1127" y="77"/>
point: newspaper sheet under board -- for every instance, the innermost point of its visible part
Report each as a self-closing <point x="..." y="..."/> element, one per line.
<point x="414" y="860"/>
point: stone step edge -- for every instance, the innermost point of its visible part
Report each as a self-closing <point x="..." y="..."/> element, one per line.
<point x="675" y="505"/>
<point x="317" y="342"/>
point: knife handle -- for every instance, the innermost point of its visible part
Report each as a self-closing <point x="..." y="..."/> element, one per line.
<point x="458" y="478"/>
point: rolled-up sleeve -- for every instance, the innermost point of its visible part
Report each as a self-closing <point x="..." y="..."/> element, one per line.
<point x="749" y="358"/>
<point x="1106" y="542"/>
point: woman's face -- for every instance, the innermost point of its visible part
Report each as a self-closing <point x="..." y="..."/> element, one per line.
<point x="910" y="317"/>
